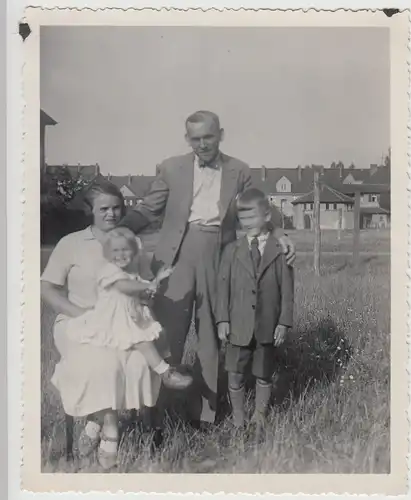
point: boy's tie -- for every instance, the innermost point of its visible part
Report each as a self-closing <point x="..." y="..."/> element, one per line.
<point x="255" y="253"/>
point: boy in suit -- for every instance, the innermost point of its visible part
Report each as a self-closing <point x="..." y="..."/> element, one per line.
<point x="255" y="303"/>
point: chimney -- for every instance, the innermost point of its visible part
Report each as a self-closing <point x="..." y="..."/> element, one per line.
<point x="341" y="169"/>
<point x="373" y="168"/>
<point x="129" y="180"/>
<point x="97" y="169"/>
<point x="299" y="173"/>
<point x="109" y="176"/>
<point x="78" y="168"/>
<point x="263" y="173"/>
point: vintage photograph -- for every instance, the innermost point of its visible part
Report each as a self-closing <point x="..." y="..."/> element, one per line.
<point x="215" y="229"/>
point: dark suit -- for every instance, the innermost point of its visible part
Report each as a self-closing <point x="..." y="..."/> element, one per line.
<point x="195" y="254"/>
<point x="254" y="303"/>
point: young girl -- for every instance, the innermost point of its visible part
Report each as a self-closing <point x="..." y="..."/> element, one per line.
<point x="120" y="318"/>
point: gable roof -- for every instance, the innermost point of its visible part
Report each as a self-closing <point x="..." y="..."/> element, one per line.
<point x="327" y="195"/>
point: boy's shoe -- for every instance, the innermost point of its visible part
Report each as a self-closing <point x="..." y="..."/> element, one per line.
<point x="173" y="379"/>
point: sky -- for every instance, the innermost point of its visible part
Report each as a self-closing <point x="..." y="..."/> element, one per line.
<point x="285" y="96"/>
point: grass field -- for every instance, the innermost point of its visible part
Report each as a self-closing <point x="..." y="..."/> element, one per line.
<point x="332" y="400"/>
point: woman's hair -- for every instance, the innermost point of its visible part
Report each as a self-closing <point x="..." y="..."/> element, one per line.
<point x="116" y="234"/>
<point x="103" y="186"/>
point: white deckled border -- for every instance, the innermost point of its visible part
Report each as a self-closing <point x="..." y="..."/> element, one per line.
<point x="390" y="484"/>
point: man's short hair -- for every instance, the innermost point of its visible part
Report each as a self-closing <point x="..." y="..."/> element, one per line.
<point x="252" y="198"/>
<point x="200" y="116"/>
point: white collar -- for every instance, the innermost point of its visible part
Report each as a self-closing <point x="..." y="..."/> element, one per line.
<point x="262" y="237"/>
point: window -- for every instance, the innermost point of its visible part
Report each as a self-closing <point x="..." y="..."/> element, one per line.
<point x="304" y="206"/>
<point x="327" y="206"/>
<point x="312" y="206"/>
<point x="335" y="206"/>
<point x="373" y="198"/>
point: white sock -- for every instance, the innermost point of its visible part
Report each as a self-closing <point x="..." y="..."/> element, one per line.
<point x="108" y="446"/>
<point x="162" y="367"/>
<point x="92" y="429"/>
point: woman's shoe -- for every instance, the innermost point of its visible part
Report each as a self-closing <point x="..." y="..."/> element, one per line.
<point x="176" y="380"/>
<point x="86" y="444"/>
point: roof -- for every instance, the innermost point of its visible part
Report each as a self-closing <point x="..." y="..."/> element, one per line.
<point x="373" y="210"/>
<point x="382" y="175"/>
<point x="138" y="184"/>
<point x="46" y="119"/>
<point x="327" y="195"/>
<point x="365" y="188"/>
<point x="304" y="182"/>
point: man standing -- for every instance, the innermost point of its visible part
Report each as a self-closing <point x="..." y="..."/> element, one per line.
<point x="196" y="192"/>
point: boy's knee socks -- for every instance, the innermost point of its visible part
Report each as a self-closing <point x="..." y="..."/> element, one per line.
<point x="262" y="397"/>
<point x="237" y="398"/>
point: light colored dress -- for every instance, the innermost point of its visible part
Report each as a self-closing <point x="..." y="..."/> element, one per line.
<point x="92" y="378"/>
<point x="117" y="320"/>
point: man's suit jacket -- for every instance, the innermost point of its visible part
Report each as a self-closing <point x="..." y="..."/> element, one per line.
<point x="172" y="193"/>
<point x="254" y="303"/>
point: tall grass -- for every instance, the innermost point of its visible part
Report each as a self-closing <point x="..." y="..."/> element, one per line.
<point x="330" y="410"/>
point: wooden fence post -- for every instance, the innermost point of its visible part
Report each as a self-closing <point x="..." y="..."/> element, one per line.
<point x="340" y="215"/>
<point x="317" y="229"/>
<point x="356" y="237"/>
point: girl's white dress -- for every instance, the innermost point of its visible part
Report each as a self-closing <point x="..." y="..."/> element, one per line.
<point x="117" y="320"/>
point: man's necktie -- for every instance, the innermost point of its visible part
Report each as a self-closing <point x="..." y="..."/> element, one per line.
<point x="255" y="254"/>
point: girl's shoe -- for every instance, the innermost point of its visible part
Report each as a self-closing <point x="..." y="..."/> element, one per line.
<point x="86" y="444"/>
<point x="176" y="380"/>
<point x="107" y="459"/>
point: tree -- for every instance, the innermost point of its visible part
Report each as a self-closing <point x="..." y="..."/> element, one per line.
<point x="387" y="159"/>
<point x="60" y="187"/>
<point x="340" y="164"/>
<point x="333" y="165"/>
<point x="352" y="166"/>
<point x="57" y="189"/>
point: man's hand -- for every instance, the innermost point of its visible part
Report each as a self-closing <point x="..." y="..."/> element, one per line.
<point x="288" y="249"/>
<point x="279" y="334"/>
<point x="223" y="331"/>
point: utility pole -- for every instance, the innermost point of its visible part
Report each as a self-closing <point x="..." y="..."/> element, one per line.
<point x="317" y="227"/>
<point x="356" y="238"/>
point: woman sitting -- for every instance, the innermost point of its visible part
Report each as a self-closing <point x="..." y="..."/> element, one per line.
<point x="94" y="379"/>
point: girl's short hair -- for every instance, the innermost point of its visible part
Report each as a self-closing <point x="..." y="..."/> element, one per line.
<point x="116" y="234"/>
<point x="252" y="198"/>
<point x="103" y="186"/>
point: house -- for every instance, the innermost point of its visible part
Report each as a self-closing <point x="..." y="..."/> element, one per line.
<point x="336" y="209"/>
<point x="285" y="185"/>
<point x="375" y="207"/>
<point x="133" y="187"/>
<point x="45" y="121"/>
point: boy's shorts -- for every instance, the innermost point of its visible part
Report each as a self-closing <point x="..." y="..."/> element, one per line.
<point x="262" y="357"/>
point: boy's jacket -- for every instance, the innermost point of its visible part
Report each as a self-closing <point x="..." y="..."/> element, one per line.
<point x="254" y="303"/>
